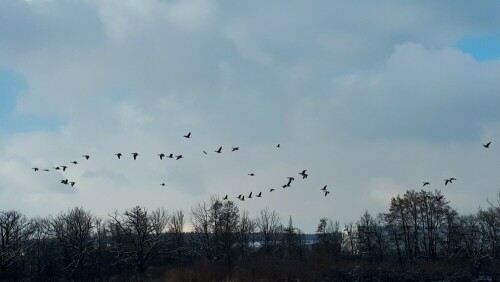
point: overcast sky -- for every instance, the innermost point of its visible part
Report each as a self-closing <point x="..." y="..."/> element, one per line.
<point x="371" y="98"/>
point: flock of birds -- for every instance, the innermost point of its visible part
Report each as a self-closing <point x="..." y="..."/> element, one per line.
<point x="241" y="197"/>
<point x="135" y="155"/>
<point x="451" y="179"/>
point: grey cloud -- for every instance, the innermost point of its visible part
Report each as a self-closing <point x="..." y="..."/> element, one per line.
<point x="338" y="84"/>
<point x="420" y="94"/>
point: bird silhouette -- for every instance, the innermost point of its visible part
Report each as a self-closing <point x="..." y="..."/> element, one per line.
<point x="171" y="156"/>
<point x="86" y="156"/>
<point x="270" y="190"/>
<point x="35" y="168"/>
<point x="219" y="150"/>
<point x="72" y="183"/>
<point x="426" y="183"/>
<point x="74" y="162"/>
<point x="303" y="174"/>
<point x="64" y="181"/>
<point x="46" y="169"/>
<point x="251" y="174"/>
<point x="439" y="198"/>
<point x="326" y="193"/>
<point x="163" y="184"/>
<point x="278" y="146"/>
<point x="487" y="145"/>
<point x="162" y="155"/>
<point x="63" y="167"/>
<point x="239" y="196"/>
<point x="135" y="155"/>
<point x="225" y="198"/>
<point x="450" y="180"/>
<point x="284" y="186"/>
<point x="188" y="135"/>
<point x="243" y="198"/>
<point x="259" y="195"/>
<point x="119" y="155"/>
<point x="178" y="157"/>
<point x="235" y="149"/>
<point x="56" y="168"/>
<point x="324" y="188"/>
<point x="250" y="195"/>
<point x="204" y="152"/>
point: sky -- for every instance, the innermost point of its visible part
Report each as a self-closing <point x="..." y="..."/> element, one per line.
<point x="371" y="98"/>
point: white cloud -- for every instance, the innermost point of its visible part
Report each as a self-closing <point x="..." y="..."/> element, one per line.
<point x="345" y="91"/>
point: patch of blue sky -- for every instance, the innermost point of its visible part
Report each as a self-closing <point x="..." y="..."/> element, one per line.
<point x="482" y="48"/>
<point x="12" y="85"/>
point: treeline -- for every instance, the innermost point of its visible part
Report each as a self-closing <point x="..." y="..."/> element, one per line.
<point x="419" y="235"/>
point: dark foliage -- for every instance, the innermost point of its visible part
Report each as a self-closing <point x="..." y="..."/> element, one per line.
<point x="420" y="238"/>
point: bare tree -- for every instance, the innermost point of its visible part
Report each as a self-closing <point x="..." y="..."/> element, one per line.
<point x="366" y="235"/>
<point x="15" y="235"/>
<point x="268" y="224"/>
<point x="246" y="230"/>
<point x="40" y="254"/>
<point x="329" y="238"/>
<point x="137" y="237"/>
<point x="176" y="228"/>
<point x="474" y="244"/>
<point x="200" y="219"/>
<point x="74" y="231"/>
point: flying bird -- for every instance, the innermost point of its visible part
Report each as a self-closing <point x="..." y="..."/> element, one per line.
<point x="450" y="180"/>
<point x="251" y="174"/>
<point x="284" y="186"/>
<point x="72" y="183"/>
<point x="35" y="168"/>
<point x="426" y="183"/>
<point x="64" y="181"/>
<point x="57" y="168"/>
<point x="487" y="145"/>
<point x="178" y="157"/>
<point x="259" y="195"/>
<point x="225" y="198"/>
<point x="324" y="188"/>
<point x="46" y="169"/>
<point x="235" y="149"/>
<point x="326" y="193"/>
<point x="219" y="150"/>
<point x="86" y="156"/>
<point x="171" y="156"/>
<point x="162" y="155"/>
<point x="135" y="155"/>
<point x="250" y="195"/>
<point x="204" y="152"/>
<point x="163" y="184"/>
<point x="119" y="155"/>
<point x="303" y="174"/>
<point x="270" y="190"/>
<point x="63" y="167"/>
<point x="74" y="162"/>
<point x="278" y="146"/>
<point x="188" y="135"/>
